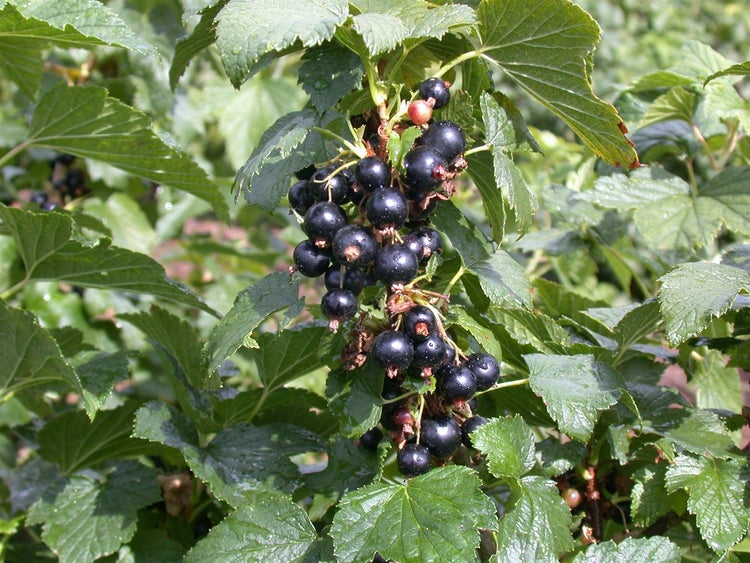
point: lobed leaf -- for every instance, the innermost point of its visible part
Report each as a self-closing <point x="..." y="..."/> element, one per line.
<point x="99" y="372"/>
<point x="632" y="550"/>
<point x="355" y="398"/>
<point x="328" y="73"/>
<point x="508" y="444"/>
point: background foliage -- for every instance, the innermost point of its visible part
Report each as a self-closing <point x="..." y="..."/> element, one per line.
<point x="166" y="388"/>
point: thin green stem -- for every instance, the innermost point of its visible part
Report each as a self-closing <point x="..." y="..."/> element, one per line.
<point x="13" y="152"/>
<point x="505" y="384"/>
<point x="461" y="58"/>
<point x="480" y="148"/>
<point x="360" y="152"/>
<point x="461" y="271"/>
<point x="11" y="291"/>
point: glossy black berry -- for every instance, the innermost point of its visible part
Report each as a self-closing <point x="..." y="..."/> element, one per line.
<point x="352" y="279"/>
<point x="424" y="169"/>
<point x="372" y="173"/>
<point x="396" y="264"/>
<point x="324" y="187"/>
<point x="39" y="197"/>
<point x="429" y="353"/>
<point x="305" y="173"/>
<point x="310" y="260"/>
<point x="387" y="207"/>
<point x="339" y="304"/>
<point x="485" y="369"/>
<point x="446" y="138"/>
<point x="414" y="459"/>
<point x="299" y="198"/>
<point x="323" y="220"/>
<point x="354" y="246"/>
<point x="393" y="348"/>
<point x="456" y="383"/>
<point x="65" y="159"/>
<point x="370" y="439"/>
<point x="437" y="89"/>
<point x="468" y="426"/>
<point x="419" y="322"/>
<point x="427" y="240"/>
<point x="441" y="435"/>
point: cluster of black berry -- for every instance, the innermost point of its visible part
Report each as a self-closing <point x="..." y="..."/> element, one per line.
<point x="66" y="183"/>
<point x="367" y="222"/>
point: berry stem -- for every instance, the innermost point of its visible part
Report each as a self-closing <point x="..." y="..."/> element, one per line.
<point x="361" y="152"/>
<point x="13" y="152"/>
<point x="461" y="58"/>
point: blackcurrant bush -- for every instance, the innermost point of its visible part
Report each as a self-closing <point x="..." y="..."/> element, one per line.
<point x="485" y="369"/>
<point x="396" y="264"/>
<point x="325" y="188"/>
<point x="429" y="353"/>
<point x="441" y="435"/>
<point x="414" y="459"/>
<point x="456" y="383"/>
<point x="424" y="169"/>
<point x="370" y="439"/>
<point x="299" y="197"/>
<point x="354" y="246"/>
<point x="436" y="89"/>
<point x="387" y="207"/>
<point x="339" y="304"/>
<point x="420" y="112"/>
<point x="419" y="323"/>
<point x="446" y="138"/>
<point x="310" y="260"/>
<point x="372" y="173"/>
<point x="352" y="279"/>
<point x="393" y="348"/>
<point x="323" y="220"/>
<point x="468" y="426"/>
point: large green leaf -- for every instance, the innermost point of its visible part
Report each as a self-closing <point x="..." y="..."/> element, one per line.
<point x="187" y="47"/>
<point x="99" y="372"/>
<point x="546" y="46"/>
<point x="350" y="466"/>
<point x="275" y="27"/>
<point x="508" y="444"/>
<point x="692" y="294"/>
<point x="415" y="521"/>
<point x="718" y="497"/>
<point x="94" y="513"/>
<point x="252" y="306"/>
<point x="85" y="122"/>
<point x="575" y="389"/>
<point x="267" y="527"/>
<point x="632" y="550"/>
<point x="329" y="72"/>
<point x="354" y="397"/>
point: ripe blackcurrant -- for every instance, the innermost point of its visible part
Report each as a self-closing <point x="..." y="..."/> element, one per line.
<point x="428" y="241"/>
<point x="436" y="89"/>
<point x="446" y="138"/>
<point x="419" y="323"/>
<point x="414" y="459"/>
<point x="393" y="348"/>
<point x="429" y="353"/>
<point x="456" y="383"/>
<point x="441" y="435"/>
<point x="352" y="279"/>
<point x="299" y="198"/>
<point x="339" y="304"/>
<point x="396" y="264"/>
<point x="387" y="207"/>
<point x="425" y="169"/>
<point x="323" y="220"/>
<point x="354" y="246"/>
<point x="310" y="260"/>
<point x="372" y="173"/>
<point x="485" y="369"/>
<point x="370" y="439"/>
<point x="323" y="188"/>
<point x="468" y="426"/>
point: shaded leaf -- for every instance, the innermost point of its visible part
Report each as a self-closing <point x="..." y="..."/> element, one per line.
<point x="350" y="466"/>
<point x="189" y="46"/>
<point x="328" y="73"/>
<point x="98" y="373"/>
<point x="354" y="397"/>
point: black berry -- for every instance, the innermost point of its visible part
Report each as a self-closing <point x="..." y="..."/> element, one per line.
<point x="324" y="187"/>
<point x="441" y="435"/>
<point x="446" y="138"/>
<point x="370" y="439"/>
<point x="485" y="369"/>
<point x="372" y="173"/>
<point x="456" y="383"/>
<point x="468" y="426"/>
<point x="396" y="264"/>
<point x="352" y="279"/>
<point x="299" y="198"/>
<point x="354" y="246"/>
<point x="414" y="459"/>
<point x="436" y="89"/>
<point x="387" y="207"/>
<point x="310" y="260"/>
<point x="419" y="323"/>
<point x="393" y="348"/>
<point x="424" y="169"/>
<point x="339" y="304"/>
<point x="323" y="220"/>
<point x="427" y="240"/>
<point x="429" y="353"/>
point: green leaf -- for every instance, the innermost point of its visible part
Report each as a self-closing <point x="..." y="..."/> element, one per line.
<point x="380" y="32"/>
<point x="677" y="103"/>
<point x="74" y="442"/>
<point x="415" y="521"/>
<point x="717" y="386"/>
<point x="640" y="321"/>
<point x="238" y="459"/>
<point x="575" y="389"/>
<point x="546" y="47"/>
<point x="697" y="431"/>
<point x="632" y="550"/>
<point x="354" y="397"/>
<point x="692" y="294"/>
<point x="536" y="523"/>
<point x="649" y="493"/>
<point x="520" y="197"/>
<point x="98" y="373"/>
<point x="481" y="170"/>
<point x="31" y="357"/>
<point x="504" y="125"/>
<point x="252" y="306"/>
<point x="201" y="38"/>
<point x="267" y="527"/>
<point x="95" y="513"/>
<point x="328" y="73"/>
<point x="508" y="444"/>
<point x="350" y="466"/>
<point x="275" y="27"/>
<point x="717" y="497"/>
<point x="84" y="122"/>
<point x="400" y="144"/>
<point x="479" y="328"/>
<point x="741" y="69"/>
